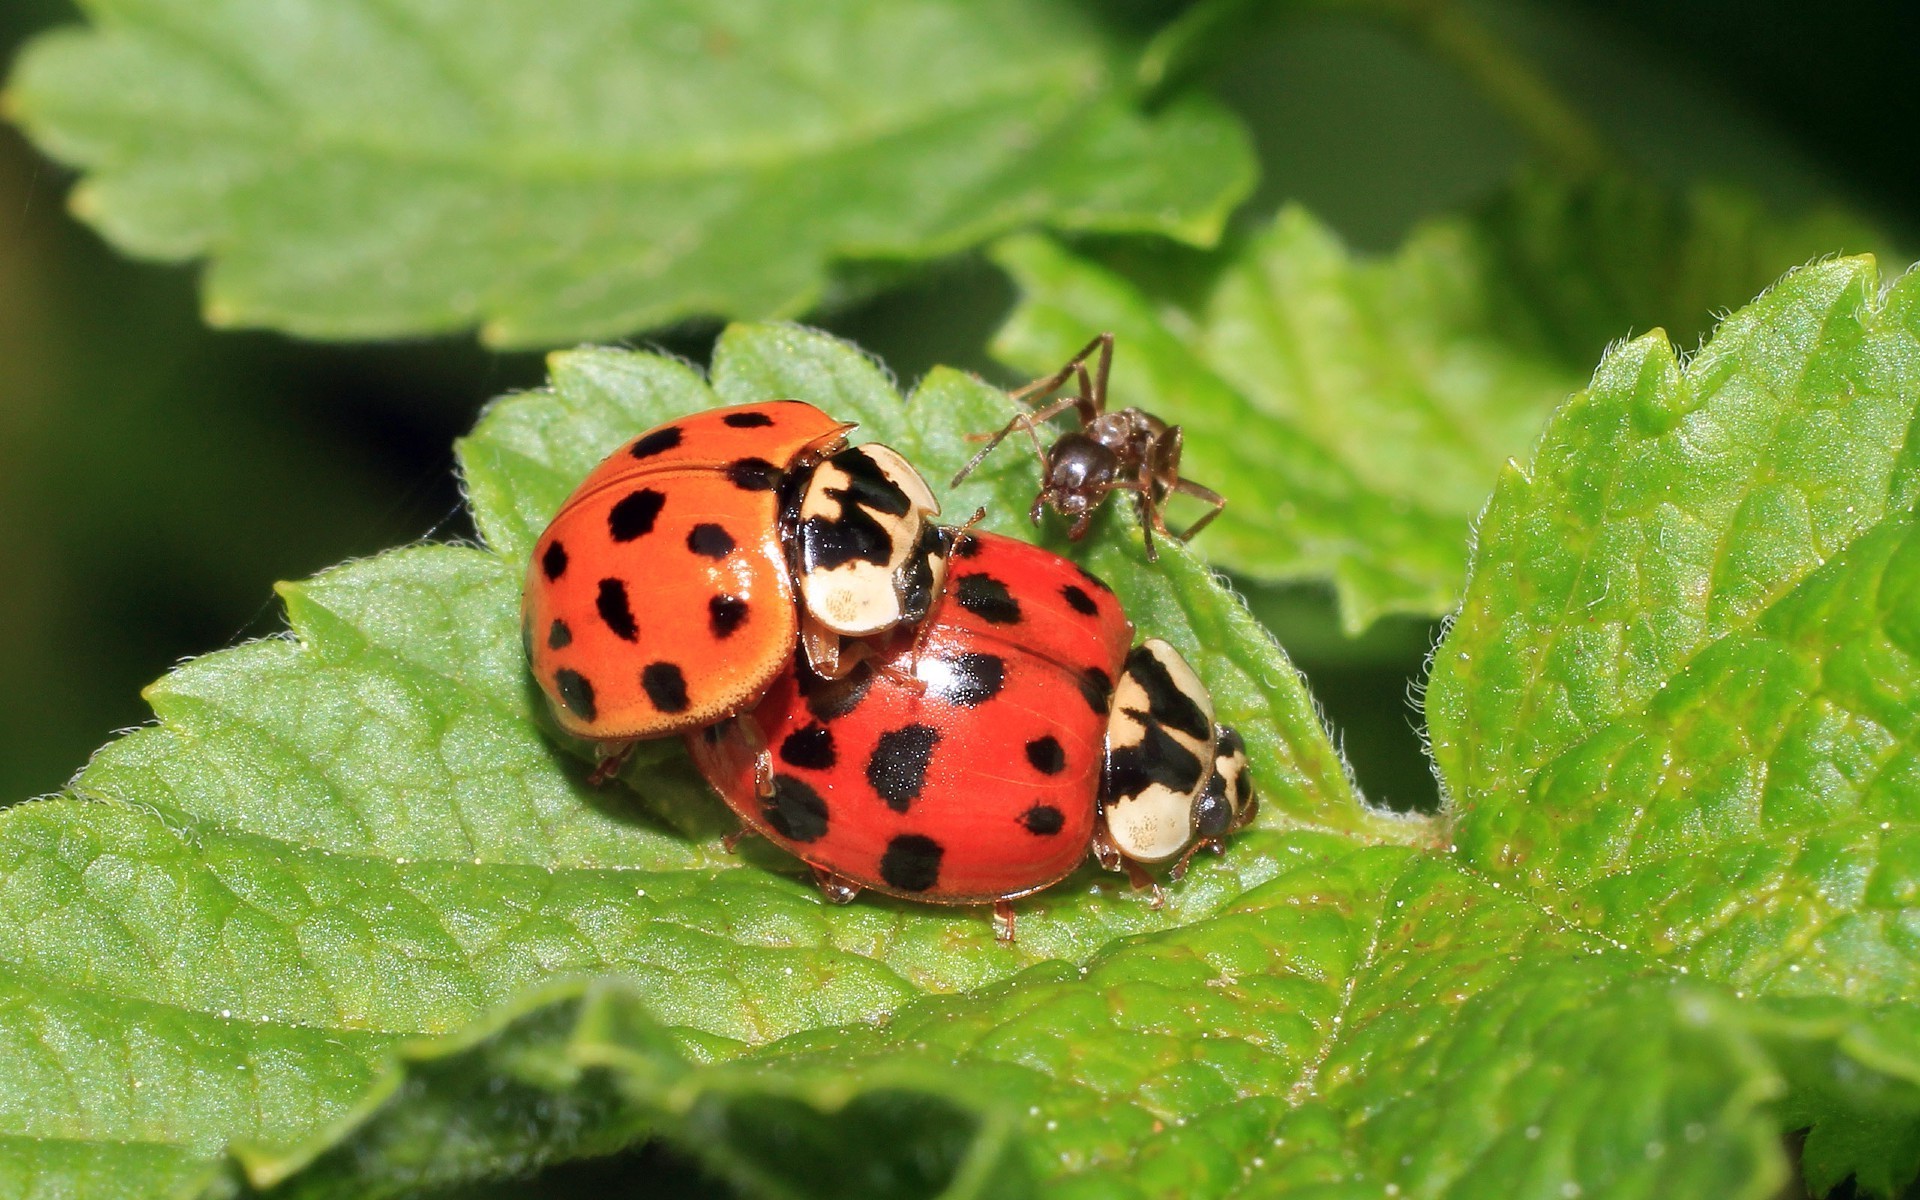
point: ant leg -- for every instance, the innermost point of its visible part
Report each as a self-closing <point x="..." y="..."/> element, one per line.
<point x="1100" y="373"/>
<point x="1149" y="517"/>
<point x="1200" y="492"/>
<point x="1026" y="421"/>
<point x="1041" y="387"/>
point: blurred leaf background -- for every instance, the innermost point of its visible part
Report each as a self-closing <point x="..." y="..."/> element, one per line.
<point x="157" y="476"/>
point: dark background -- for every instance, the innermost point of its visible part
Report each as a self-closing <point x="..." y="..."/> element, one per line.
<point x="156" y="477"/>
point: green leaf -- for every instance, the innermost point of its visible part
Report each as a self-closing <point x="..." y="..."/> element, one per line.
<point x="575" y="1068"/>
<point x="1356" y="411"/>
<point x="588" y="168"/>
<point x="1681" y="701"/>
<point x="337" y="842"/>
<point x="315" y="917"/>
<point x="1237" y="1053"/>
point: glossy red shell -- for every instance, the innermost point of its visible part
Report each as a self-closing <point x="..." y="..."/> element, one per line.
<point x="659" y="599"/>
<point x="975" y="783"/>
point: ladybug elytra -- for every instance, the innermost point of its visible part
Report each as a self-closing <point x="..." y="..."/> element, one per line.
<point x="984" y="759"/>
<point x="661" y="598"/>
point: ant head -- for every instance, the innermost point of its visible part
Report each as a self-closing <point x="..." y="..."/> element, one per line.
<point x="1080" y="472"/>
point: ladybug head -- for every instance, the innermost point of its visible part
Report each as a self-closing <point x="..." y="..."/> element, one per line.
<point x="1080" y="473"/>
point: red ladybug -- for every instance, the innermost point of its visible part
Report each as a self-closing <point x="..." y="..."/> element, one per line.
<point x="983" y="760"/>
<point x="663" y="596"/>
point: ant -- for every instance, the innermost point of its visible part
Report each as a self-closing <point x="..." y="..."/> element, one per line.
<point x="1129" y="450"/>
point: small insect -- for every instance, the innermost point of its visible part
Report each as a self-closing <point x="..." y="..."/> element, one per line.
<point x="1128" y="450"/>
<point x="663" y="596"/>
<point x="984" y="762"/>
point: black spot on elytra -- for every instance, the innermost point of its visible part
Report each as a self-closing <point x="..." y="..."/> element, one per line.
<point x="634" y="515"/>
<point x="1046" y="755"/>
<point x="987" y="598"/>
<point x="554" y="561"/>
<point x="747" y="420"/>
<point x="794" y="811"/>
<point x="1080" y="602"/>
<point x="615" y="612"/>
<point x="658" y="442"/>
<point x="559" y="637"/>
<point x="968" y="546"/>
<point x="1166" y="702"/>
<point x="526" y="637"/>
<point x="1043" y="819"/>
<point x="724" y="615"/>
<point x="1157" y="758"/>
<point x="576" y="693"/>
<point x="810" y="746"/>
<point x="897" y="768"/>
<point x="831" y="699"/>
<point x="665" y="686"/>
<point x="709" y="540"/>
<point x="1093" y="579"/>
<point x="912" y="862"/>
<point x="973" y="679"/>
<point x="753" y="474"/>
<point x="1096" y="687"/>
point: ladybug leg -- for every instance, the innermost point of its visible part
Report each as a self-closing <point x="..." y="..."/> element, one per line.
<point x="902" y="676"/>
<point x="610" y="765"/>
<point x="837" y="889"/>
<point x="745" y="734"/>
<point x="822" y="648"/>
<point x="1179" y="870"/>
<point x="1141" y="881"/>
<point x="1003" y="922"/>
<point x="1104" y="851"/>
<point x="731" y="842"/>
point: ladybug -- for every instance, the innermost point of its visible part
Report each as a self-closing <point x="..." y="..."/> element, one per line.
<point x="1129" y="450"/>
<point x="662" y="597"/>
<point x="985" y="758"/>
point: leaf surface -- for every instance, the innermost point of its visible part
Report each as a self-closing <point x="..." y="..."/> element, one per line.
<point x="323" y="916"/>
<point x="585" y="168"/>
<point x="1680" y="703"/>
<point x="336" y="842"/>
<point x="1356" y="411"/>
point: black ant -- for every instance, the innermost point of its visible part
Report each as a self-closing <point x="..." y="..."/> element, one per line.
<point x="1129" y="450"/>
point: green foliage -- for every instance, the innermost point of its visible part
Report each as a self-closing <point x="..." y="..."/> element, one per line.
<point x="1679" y="703"/>
<point x="239" y="928"/>
<point x="1355" y="409"/>
<point x="588" y="168"/>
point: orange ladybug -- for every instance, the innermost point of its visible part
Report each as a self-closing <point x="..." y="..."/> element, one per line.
<point x="675" y="582"/>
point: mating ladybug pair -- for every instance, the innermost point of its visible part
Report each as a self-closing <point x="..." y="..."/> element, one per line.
<point x="949" y="716"/>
